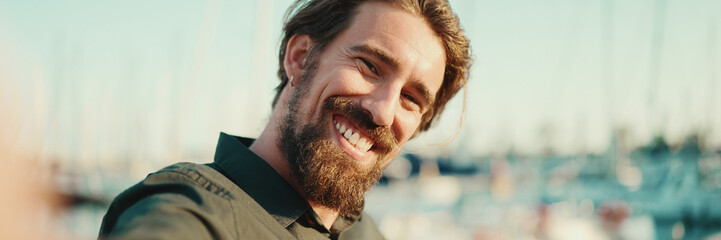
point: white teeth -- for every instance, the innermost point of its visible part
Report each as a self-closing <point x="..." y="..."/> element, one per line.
<point x="360" y="143"/>
<point x="364" y="144"/>
<point x="348" y="133"/>
<point x="354" y="139"/>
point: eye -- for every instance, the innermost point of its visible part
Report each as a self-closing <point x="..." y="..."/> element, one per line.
<point x="368" y="65"/>
<point x="411" y="101"/>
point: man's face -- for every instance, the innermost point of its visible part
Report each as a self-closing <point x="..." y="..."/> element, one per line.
<point x="358" y="102"/>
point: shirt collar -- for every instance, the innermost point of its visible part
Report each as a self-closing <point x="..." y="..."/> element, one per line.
<point x="258" y="179"/>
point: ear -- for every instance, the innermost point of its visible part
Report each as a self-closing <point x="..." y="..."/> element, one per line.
<point x="296" y="51"/>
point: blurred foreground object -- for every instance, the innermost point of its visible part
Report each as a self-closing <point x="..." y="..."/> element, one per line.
<point x="29" y="208"/>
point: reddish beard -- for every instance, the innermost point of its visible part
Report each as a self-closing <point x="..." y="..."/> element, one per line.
<point x="325" y="174"/>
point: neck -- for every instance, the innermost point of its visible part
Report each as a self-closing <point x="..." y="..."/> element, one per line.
<point x="327" y="216"/>
<point x="266" y="147"/>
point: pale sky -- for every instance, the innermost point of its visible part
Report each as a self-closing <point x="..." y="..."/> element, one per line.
<point x="141" y="79"/>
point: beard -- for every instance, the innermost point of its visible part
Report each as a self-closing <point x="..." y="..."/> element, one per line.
<point x="326" y="175"/>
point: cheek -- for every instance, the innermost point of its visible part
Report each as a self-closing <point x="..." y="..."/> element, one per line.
<point x="406" y="124"/>
<point x="343" y="81"/>
<point x="324" y="84"/>
<point x="350" y="82"/>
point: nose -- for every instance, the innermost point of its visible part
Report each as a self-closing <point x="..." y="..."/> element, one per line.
<point x="381" y="103"/>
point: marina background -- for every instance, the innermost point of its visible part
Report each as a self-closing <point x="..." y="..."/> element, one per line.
<point x="584" y="119"/>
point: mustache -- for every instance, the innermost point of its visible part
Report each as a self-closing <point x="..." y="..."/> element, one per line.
<point x="385" y="140"/>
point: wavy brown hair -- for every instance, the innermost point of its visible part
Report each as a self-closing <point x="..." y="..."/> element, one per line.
<point x="323" y="20"/>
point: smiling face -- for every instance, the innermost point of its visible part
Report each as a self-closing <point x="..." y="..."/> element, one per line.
<point x="389" y="63"/>
<point x="358" y="102"/>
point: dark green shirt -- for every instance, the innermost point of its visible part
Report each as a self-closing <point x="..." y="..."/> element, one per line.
<point x="238" y="196"/>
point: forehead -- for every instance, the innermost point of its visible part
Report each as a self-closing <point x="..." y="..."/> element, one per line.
<point x="405" y="37"/>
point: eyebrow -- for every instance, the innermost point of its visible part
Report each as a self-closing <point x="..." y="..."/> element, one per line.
<point x="378" y="53"/>
<point x="386" y="58"/>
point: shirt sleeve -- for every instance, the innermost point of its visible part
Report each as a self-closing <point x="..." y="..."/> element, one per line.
<point x="163" y="216"/>
<point x="166" y="205"/>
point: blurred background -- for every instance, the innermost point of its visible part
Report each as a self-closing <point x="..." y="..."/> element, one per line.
<point x="590" y="119"/>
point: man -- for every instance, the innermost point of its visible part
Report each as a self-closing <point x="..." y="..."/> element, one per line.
<point x="358" y="80"/>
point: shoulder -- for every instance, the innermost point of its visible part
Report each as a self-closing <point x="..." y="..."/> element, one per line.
<point x="183" y="192"/>
<point x="188" y="201"/>
<point x="193" y="181"/>
<point x="202" y="177"/>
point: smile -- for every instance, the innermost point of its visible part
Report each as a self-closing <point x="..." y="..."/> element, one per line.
<point x="353" y="136"/>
